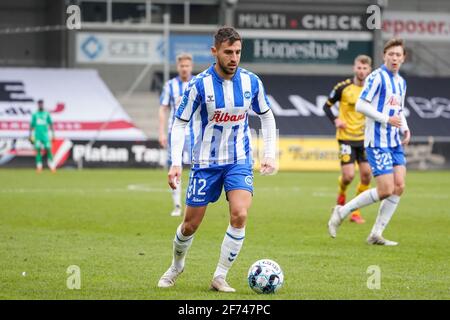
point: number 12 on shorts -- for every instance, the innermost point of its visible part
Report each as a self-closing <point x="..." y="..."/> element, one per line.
<point x="196" y="187"/>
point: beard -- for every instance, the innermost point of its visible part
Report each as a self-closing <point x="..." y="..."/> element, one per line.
<point x="226" y="69"/>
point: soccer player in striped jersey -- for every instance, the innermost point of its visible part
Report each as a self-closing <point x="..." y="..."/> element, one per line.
<point x="169" y="101"/>
<point x="382" y="102"/>
<point x="350" y="131"/>
<point x="217" y="103"/>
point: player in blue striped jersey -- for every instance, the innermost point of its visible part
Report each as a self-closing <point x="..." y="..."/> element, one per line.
<point x="382" y="101"/>
<point x="217" y="104"/>
<point x="169" y="101"/>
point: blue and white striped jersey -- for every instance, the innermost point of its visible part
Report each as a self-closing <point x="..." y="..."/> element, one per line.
<point x="218" y="111"/>
<point x="171" y="96"/>
<point x="385" y="92"/>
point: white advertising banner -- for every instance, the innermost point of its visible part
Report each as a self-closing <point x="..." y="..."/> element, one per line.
<point x="423" y="26"/>
<point x="80" y="104"/>
<point x="118" y="48"/>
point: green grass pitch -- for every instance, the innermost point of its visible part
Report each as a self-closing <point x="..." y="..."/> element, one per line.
<point x="115" y="225"/>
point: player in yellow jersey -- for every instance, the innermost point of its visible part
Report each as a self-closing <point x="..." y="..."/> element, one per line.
<point x="350" y="131"/>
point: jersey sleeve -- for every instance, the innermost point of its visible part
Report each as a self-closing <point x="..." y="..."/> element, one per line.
<point x="335" y="94"/>
<point x="164" y="99"/>
<point x="260" y="103"/>
<point x="189" y="103"/>
<point x="371" y="87"/>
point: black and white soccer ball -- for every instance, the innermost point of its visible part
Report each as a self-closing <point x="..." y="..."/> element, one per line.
<point x="265" y="276"/>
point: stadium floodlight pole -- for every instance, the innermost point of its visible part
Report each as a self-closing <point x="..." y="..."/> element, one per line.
<point x="148" y="11"/>
<point x="377" y="36"/>
<point x="187" y="13"/>
<point x="166" y="20"/>
<point x="377" y="47"/>
<point x="229" y="11"/>
<point x="109" y="11"/>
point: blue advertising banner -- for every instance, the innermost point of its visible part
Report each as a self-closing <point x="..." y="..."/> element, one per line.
<point x="197" y="45"/>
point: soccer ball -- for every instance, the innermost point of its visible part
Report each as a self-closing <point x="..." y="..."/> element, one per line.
<point x="265" y="276"/>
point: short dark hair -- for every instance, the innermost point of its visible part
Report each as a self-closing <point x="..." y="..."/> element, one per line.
<point x="40" y="101"/>
<point x="226" y="34"/>
<point x="394" y="42"/>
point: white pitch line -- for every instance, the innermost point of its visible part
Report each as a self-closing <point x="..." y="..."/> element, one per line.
<point x="318" y="192"/>
<point x="82" y="191"/>
<point x="129" y="188"/>
<point x="146" y="188"/>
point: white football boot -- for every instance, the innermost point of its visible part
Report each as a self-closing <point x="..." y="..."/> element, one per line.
<point x="334" y="222"/>
<point x="219" y="284"/>
<point x="379" y="240"/>
<point x="168" y="278"/>
<point x="176" y="212"/>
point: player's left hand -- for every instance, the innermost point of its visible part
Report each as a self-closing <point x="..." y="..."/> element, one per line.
<point x="267" y="166"/>
<point x="406" y="137"/>
<point x="174" y="176"/>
